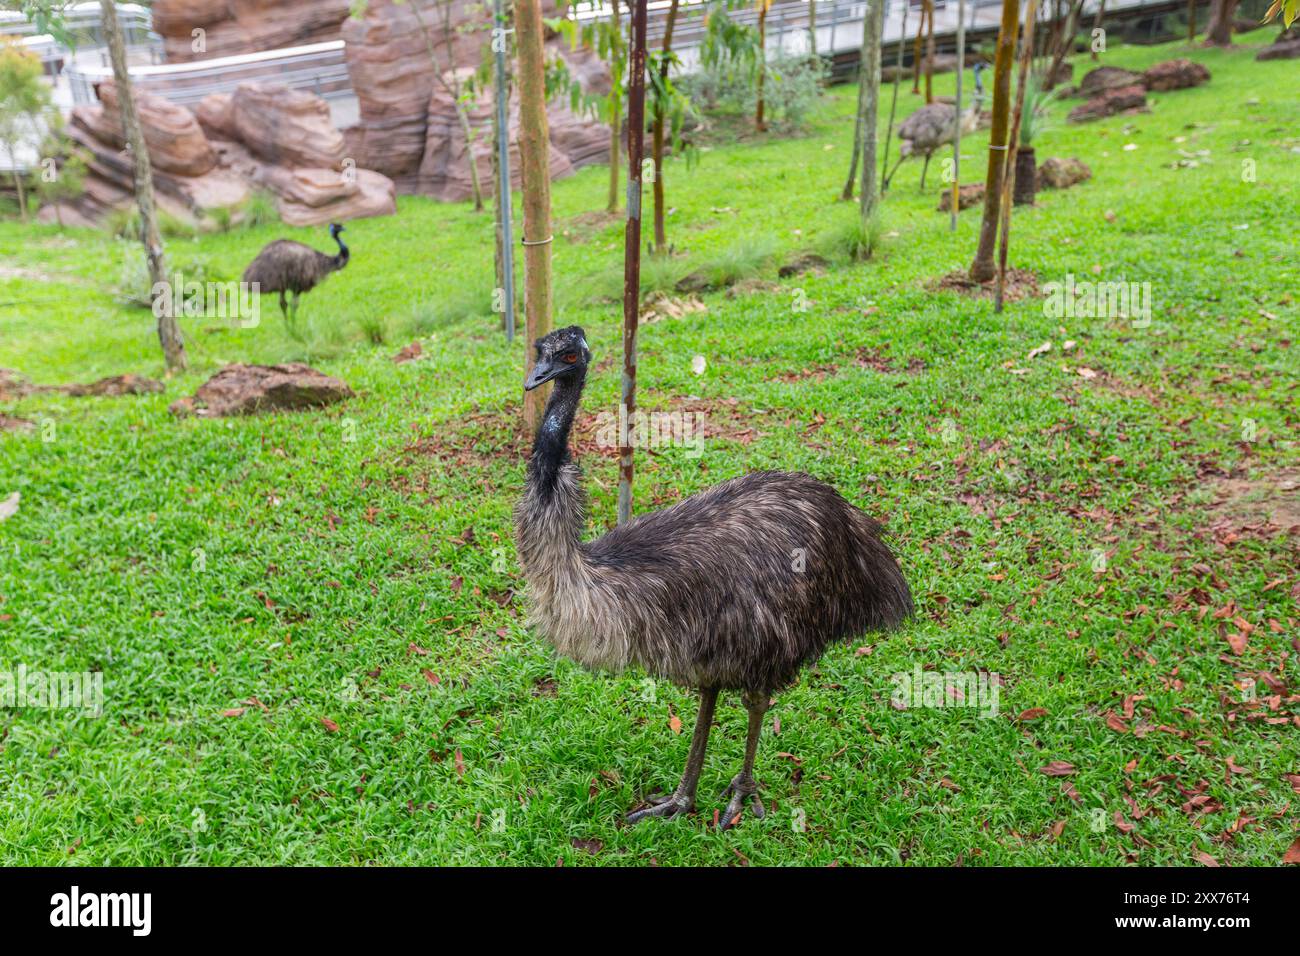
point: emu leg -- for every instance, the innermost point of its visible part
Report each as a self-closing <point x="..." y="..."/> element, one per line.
<point x="284" y="307"/>
<point x="683" y="798"/>
<point x="294" y="306"/>
<point x="743" y="786"/>
<point x="923" y="169"/>
<point x="890" y="178"/>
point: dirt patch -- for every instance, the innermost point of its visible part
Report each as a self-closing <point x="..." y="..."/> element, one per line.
<point x="878" y="361"/>
<point x="1265" y="505"/>
<point x="587" y="225"/>
<point x="10" y="424"/>
<point x="1020" y="284"/>
<point x="15" y="385"/>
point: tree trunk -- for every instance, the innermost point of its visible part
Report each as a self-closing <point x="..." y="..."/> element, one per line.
<point x="453" y="89"/>
<point x="18" y="188"/>
<point x="661" y="239"/>
<point x="982" y="268"/>
<point x="632" y="250"/>
<point x="1013" y="158"/>
<point x="847" y="192"/>
<point x="957" y="105"/>
<point x="759" y="123"/>
<point x="1096" y="24"/>
<point x="169" y="332"/>
<point x="893" y="103"/>
<point x="1218" y="32"/>
<point x="916" y="48"/>
<point x="1191" y="21"/>
<point x="929" y="56"/>
<point x="534" y="146"/>
<point x="868" y="103"/>
<point x="615" y="128"/>
<point x="812" y="28"/>
<point x="1064" y="41"/>
<point x="503" y="201"/>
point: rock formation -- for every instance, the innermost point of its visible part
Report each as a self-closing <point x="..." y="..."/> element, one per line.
<point x="231" y="27"/>
<point x="249" y="389"/>
<point x="1061" y="173"/>
<point x="1285" y="47"/>
<point x="1175" y="75"/>
<point x="1110" y="102"/>
<point x="260" y="137"/>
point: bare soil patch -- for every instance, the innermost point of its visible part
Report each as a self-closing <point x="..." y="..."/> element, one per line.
<point x="1020" y="284"/>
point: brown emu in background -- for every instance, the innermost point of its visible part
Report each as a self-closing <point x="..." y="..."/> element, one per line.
<point x="289" y="266"/>
<point x="934" y="126"/>
<point x="736" y="588"/>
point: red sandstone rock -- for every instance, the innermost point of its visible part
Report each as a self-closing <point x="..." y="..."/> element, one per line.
<point x="176" y="142"/>
<point x="1175" y="75"/>
<point x="1109" y="103"/>
<point x="248" y="389"/>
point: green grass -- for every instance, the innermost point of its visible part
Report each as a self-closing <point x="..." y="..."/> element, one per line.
<point x="203" y="564"/>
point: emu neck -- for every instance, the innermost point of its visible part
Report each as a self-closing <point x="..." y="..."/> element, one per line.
<point x="551" y="444"/>
<point x="342" y="258"/>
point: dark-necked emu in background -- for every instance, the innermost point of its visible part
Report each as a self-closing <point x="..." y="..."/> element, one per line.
<point x="736" y="588"/>
<point x="934" y="125"/>
<point x="290" y="266"/>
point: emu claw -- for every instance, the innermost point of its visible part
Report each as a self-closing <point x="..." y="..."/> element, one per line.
<point x="741" y="788"/>
<point x="661" y="806"/>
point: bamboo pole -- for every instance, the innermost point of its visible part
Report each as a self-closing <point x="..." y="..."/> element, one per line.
<point x="893" y="104"/>
<point x="632" y="253"/>
<point x="1009" y="177"/>
<point x="956" y="139"/>
<point x="505" y="229"/>
<point x="983" y="268"/>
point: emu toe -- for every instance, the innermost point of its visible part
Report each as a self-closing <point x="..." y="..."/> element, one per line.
<point x="742" y="787"/>
<point x="669" y="806"/>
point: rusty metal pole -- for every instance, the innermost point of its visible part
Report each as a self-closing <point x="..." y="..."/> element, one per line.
<point x="632" y="255"/>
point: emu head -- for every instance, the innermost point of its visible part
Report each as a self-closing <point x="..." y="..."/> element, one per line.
<point x="562" y="354"/>
<point x="979" y="69"/>
<point x="335" y="229"/>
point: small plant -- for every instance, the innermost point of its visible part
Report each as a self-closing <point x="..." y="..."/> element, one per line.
<point x="374" y="327"/>
<point x="740" y="260"/>
<point x="259" y="209"/>
<point x="854" y="241"/>
<point x="1036" y="118"/>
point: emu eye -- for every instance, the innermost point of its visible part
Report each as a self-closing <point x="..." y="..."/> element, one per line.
<point x="570" y="358"/>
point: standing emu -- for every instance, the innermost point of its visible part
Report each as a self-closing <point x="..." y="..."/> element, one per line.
<point x="736" y="588"/>
<point x="289" y="266"/>
<point x="934" y="125"/>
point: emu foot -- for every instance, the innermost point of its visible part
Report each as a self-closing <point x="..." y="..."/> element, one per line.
<point x="741" y="788"/>
<point x="661" y="806"/>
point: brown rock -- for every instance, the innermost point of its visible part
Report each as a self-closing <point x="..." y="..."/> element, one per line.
<point x="285" y="126"/>
<point x="1105" y="78"/>
<point x="1060" y="173"/>
<point x="1285" y="47"/>
<point x="1109" y="103"/>
<point x="116" y="385"/>
<point x="232" y="27"/>
<point x="804" y="262"/>
<point x="967" y="196"/>
<point x="172" y="135"/>
<point x="1175" y="75"/>
<point x="248" y="389"/>
<point x="8" y="423"/>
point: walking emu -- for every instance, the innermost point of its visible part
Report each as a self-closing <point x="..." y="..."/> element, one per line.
<point x="736" y="588"/>
<point x="289" y="266"/>
<point x="934" y="125"/>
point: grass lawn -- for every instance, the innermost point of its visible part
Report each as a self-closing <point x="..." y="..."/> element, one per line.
<point x="311" y="626"/>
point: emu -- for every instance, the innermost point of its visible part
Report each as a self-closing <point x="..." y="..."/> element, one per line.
<point x="736" y="588"/>
<point x="934" y="125"/>
<point x="289" y="266"/>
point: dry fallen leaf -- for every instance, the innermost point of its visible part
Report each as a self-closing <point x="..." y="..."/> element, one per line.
<point x="1057" y="768"/>
<point x="1033" y="713"/>
<point x="1205" y="858"/>
<point x="675" y="723"/>
<point x="330" y="725"/>
<point x="9" y="507"/>
<point x="1293" y="853"/>
<point x="233" y="712"/>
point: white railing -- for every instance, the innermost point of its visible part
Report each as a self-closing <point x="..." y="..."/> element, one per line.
<point x="318" y="67"/>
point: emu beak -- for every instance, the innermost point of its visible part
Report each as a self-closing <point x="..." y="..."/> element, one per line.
<point x="542" y="372"/>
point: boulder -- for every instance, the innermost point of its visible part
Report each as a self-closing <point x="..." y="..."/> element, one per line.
<point x="1105" y="78"/>
<point x="116" y="385"/>
<point x="967" y="196"/>
<point x="804" y="262"/>
<point x="173" y="136"/>
<point x="1057" y="172"/>
<point x="249" y="389"/>
<point x="1110" y="102"/>
<point x="1285" y="47"/>
<point x="1175" y="75"/>
<point x="285" y="126"/>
